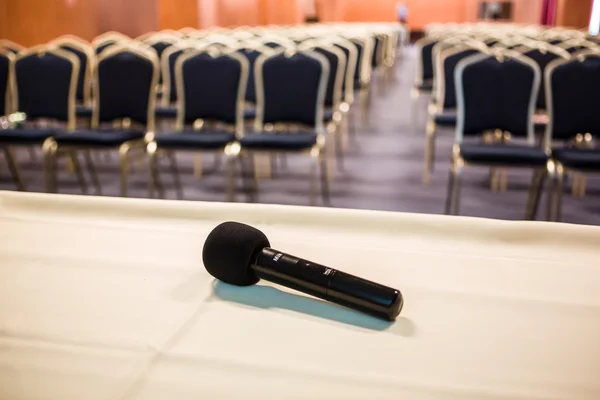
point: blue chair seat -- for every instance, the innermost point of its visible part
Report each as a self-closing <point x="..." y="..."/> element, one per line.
<point x="503" y="155"/>
<point x="448" y="120"/>
<point x="98" y="138"/>
<point x="579" y="159"/>
<point x="278" y="141"/>
<point x="26" y="135"/>
<point x="194" y="140"/>
<point x="166" y="112"/>
<point x="83" y="111"/>
<point x="250" y="113"/>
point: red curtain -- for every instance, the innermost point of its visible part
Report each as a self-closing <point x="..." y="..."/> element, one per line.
<point x="548" y="12"/>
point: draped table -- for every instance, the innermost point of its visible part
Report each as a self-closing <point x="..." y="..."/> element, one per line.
<point x="107" y="298"/>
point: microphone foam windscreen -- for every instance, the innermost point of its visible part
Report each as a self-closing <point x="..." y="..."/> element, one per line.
<point x="229" y="250"/>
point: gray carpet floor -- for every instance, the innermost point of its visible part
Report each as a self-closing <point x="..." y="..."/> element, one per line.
<point x="383" y="169"/>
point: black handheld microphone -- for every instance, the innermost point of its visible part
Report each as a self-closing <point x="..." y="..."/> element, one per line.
<point x="240" y="255"/>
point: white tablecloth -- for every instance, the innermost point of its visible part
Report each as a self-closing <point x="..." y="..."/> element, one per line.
<point x="108" y="299"/>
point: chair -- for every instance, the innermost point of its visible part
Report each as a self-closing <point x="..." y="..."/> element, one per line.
<point x="86" y="56"/>
<point x="332" y="116"/>
<point x="290" y="88"/>
<point x="251" y="51"/>
<point x="125" y="92"/>
<point x="44" y="85"/>
<point x="543" y="55"/>
<point x="168" y="105"/>
<point x="161" y="42"/>
<point x="496" y="92"/>
<point x="442" y="110"/>
<point x="11" y="46"/>
<point x="108" y="39"/>
<point x="7" y="60"/>
<point x="363" y="71"/>
<point x="571" y="91"/>
<point x="424" y="74"/>
<point x="211" y="87"/>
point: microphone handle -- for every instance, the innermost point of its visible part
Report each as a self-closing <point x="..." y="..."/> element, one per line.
<point x="328" y="284"/>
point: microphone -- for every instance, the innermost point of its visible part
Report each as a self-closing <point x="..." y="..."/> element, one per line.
<point x="241" y="255"/>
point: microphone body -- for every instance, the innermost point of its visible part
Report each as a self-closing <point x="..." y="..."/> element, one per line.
<point x="327" y="283"/>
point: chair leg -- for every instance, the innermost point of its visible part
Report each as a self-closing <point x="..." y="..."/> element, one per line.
<point x="198" y="165"/>
<point x="313" y="180"/>
<point x="78" y="171"/>
<point x="582" y="186"/>
<point x="453" y="194"/>
<point x="535" y="192"/>
<point x="124" y="159"/>
<point x="450" y="191"/>
<point x="457" y="187"/>
<point x="429" y="152"/>
<point x="92" y="171"/>
<point x="49" y="150"/>
<point x="14" y="169"/>
<point x="253" y="178"/>
<point x="325" y="181"/>
<point x="230" y="165"/>
<point x="338" y="147"/>
<point x="175" y="173"/>
<point x="559" y="188"/>
<point x="155" y="182"/>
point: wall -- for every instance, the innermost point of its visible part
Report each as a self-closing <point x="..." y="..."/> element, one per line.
<point x="421" y="12"/>
<point x="177" y="14"/>
<point x="36" y="21"/>
<point x="574" y="13"/>
<point x="31" y="22"/>
<point x="131" y="17"/>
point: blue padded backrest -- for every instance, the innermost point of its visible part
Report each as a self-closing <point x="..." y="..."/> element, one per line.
<point x="497" y="95"/>
<point x="347" y="53"/>
<point x="43" y="86"/>
<point x="291" y="88"/>
<point x="211" y="87"/>
<point x="83" y="66"/>
<point x="172" y="60"/>
<point x="124" y="85"/>
<point x="542" y="59"/>
<point x="251" y="55"/>
<point x="575" y="87"/>
<point x="359" y="55"/>
<point x="333" y="68"/>
<point x="427" y="61"/>
<point x="4" y="84"/>
<point x="449" y="67"/>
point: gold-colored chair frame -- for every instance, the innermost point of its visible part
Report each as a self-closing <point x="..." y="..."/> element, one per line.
<point x="556" y="189"/>
<point x="438" y="95"/>
<point x="51" y="147"/>
<point x="86" y="48"/>
<point x="13" y="47"/>
<point x="71" y="117"/>
<point x="317" y="152"/>
<point x="230" y="150"/>
<point x="458" y="163"/>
